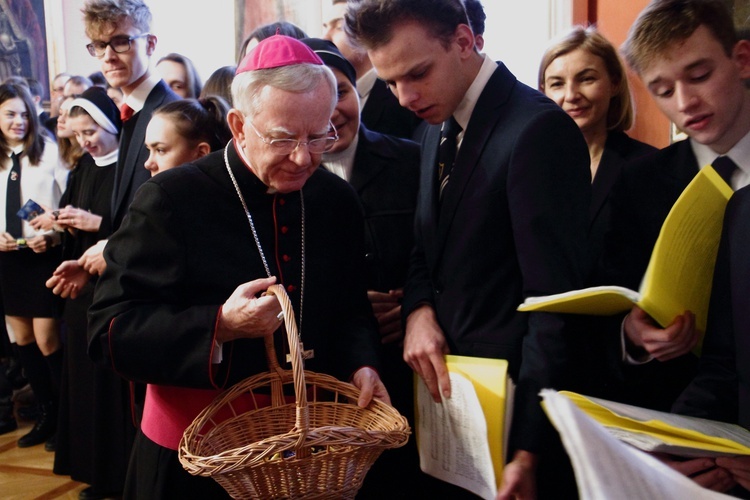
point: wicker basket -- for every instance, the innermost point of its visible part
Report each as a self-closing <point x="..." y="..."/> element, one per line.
<point x="317" y="448"/>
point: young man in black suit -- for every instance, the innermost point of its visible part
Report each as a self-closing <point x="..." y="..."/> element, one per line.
<point x="384" y="171"/>
<point x="380" y="109"/>
<point x="511" y="220"/>
<point x="121" y="38"/>
<point x="690" y="60"/>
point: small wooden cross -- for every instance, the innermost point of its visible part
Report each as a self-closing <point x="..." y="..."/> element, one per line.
<point x="310" y="353"/>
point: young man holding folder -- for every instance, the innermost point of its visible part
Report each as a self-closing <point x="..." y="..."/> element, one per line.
<point x="690" y="60"/>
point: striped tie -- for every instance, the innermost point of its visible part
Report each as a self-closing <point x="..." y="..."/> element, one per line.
<point x="447" y="151"/>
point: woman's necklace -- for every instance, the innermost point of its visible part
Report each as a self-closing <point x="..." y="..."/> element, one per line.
<point x="305" y="354"/>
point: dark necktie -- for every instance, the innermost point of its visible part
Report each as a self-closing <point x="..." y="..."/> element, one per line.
<point x="447" y="151"/>
<point x="126" y="112"/>
<point x="13" y="199"/>
<point x="725" y="167"/>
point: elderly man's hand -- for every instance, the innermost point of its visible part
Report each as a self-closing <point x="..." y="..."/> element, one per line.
<point x="249" y="314"/>
<point x="425" y="349"/>
<point x="368" y="382"/>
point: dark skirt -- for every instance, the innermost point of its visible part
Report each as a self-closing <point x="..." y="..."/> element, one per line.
<point x="23" y="275"/>
<point x="95" y="430"/>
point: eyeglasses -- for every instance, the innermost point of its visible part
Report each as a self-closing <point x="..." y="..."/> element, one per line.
<point x="119" y="43"/>
<point x="286" y="147"/>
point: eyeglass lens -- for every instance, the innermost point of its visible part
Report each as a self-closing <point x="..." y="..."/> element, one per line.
<point x="119" y="43"/>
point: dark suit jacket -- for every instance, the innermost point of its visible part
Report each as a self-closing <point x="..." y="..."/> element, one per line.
<point x="512" y="223"/>
<point x="618" y="151"/>
<point x="386" y="178"/>
<point x="130" y="172"/>
<point x="641" y="200"/>
<point x="721" y="390"/>
<point x="382" y="113"/>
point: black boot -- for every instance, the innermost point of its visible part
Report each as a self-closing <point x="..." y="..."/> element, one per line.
<point x="7" y="420"/>
<point x="43" y="429"/>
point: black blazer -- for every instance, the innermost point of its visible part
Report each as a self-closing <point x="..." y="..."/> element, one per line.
<point x="382" y="113"/>
<point x="721" y="390"/>
<point x="641" y="200"/>
<point x="386" y="178"/>
<point x="130" y="172"/>
<point x="512" y="223"/>
<point x="618" y="151"/>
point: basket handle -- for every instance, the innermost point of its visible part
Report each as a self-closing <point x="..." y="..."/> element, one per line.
<point x="298" y="373"/>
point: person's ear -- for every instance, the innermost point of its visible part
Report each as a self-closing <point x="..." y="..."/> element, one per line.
<point x="465" y="39"/>
<point x="741" y="57"/>
<point x="151" y="44"/>
<point x="202" y="150"/>
<point x="479" y="42"/>
<point x="236" y="121"/>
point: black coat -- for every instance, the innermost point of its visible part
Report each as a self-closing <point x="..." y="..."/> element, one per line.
<point x="512" y="223"/>
<point x="641" y="201"/>
<point x="186" y="245"/>
<point x="721" y="389"/>
<point x="386" y="178"/>
<point x="130" y="172"/>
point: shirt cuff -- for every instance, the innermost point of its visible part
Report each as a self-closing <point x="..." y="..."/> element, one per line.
<point x="627" y="358"/>
<point x="217" y="353"/>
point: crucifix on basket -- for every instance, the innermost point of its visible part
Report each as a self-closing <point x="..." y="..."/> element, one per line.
<point x="306" y="354"/>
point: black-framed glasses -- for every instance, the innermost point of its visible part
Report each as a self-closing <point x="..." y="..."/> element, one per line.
<point x="285" y="147"/>
<point x="119" y="43"/>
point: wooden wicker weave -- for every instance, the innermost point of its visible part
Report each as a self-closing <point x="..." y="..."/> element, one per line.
<point x="320" y="446"/>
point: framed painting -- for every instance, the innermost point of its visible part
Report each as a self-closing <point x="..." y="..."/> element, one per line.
<point x="23" y="41"/>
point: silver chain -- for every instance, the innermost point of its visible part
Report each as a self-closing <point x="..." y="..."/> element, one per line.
<point x="257" y="240"/>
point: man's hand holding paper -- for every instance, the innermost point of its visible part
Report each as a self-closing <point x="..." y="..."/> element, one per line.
<point x="424" y="350"/>
<point x="642" y="332"/>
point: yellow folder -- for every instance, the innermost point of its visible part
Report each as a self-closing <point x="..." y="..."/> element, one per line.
<point x="680" y="272"/>
<point x="494" y="391"/>
<point x="657" y="431"/>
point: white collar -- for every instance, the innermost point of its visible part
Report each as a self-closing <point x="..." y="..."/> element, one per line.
<point x="342" y="162"/>
<point x="137" y="99"/>
<point x="108" y="159"/>
<point x="740" y="154"/>
<point x="366" y="82"/>
<point x="463" y="112"/>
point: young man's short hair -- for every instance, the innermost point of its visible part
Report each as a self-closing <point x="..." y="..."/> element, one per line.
<point x="103" y="16"/>
<point x="665" y="22"/>
<point x="371" y="22"/>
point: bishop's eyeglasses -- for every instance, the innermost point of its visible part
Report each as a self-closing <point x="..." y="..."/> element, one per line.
<point x="286" y="147"/>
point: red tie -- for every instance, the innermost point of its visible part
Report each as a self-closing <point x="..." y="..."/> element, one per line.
<point x="126" y="112"/>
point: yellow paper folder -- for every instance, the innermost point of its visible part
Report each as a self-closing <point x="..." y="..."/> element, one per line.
<point x="679" y="275"/>
<point x="656" y="431"/>
<point x="443" y="433"/>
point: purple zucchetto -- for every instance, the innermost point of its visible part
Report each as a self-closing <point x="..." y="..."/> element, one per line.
<point x="277" y="51"/>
